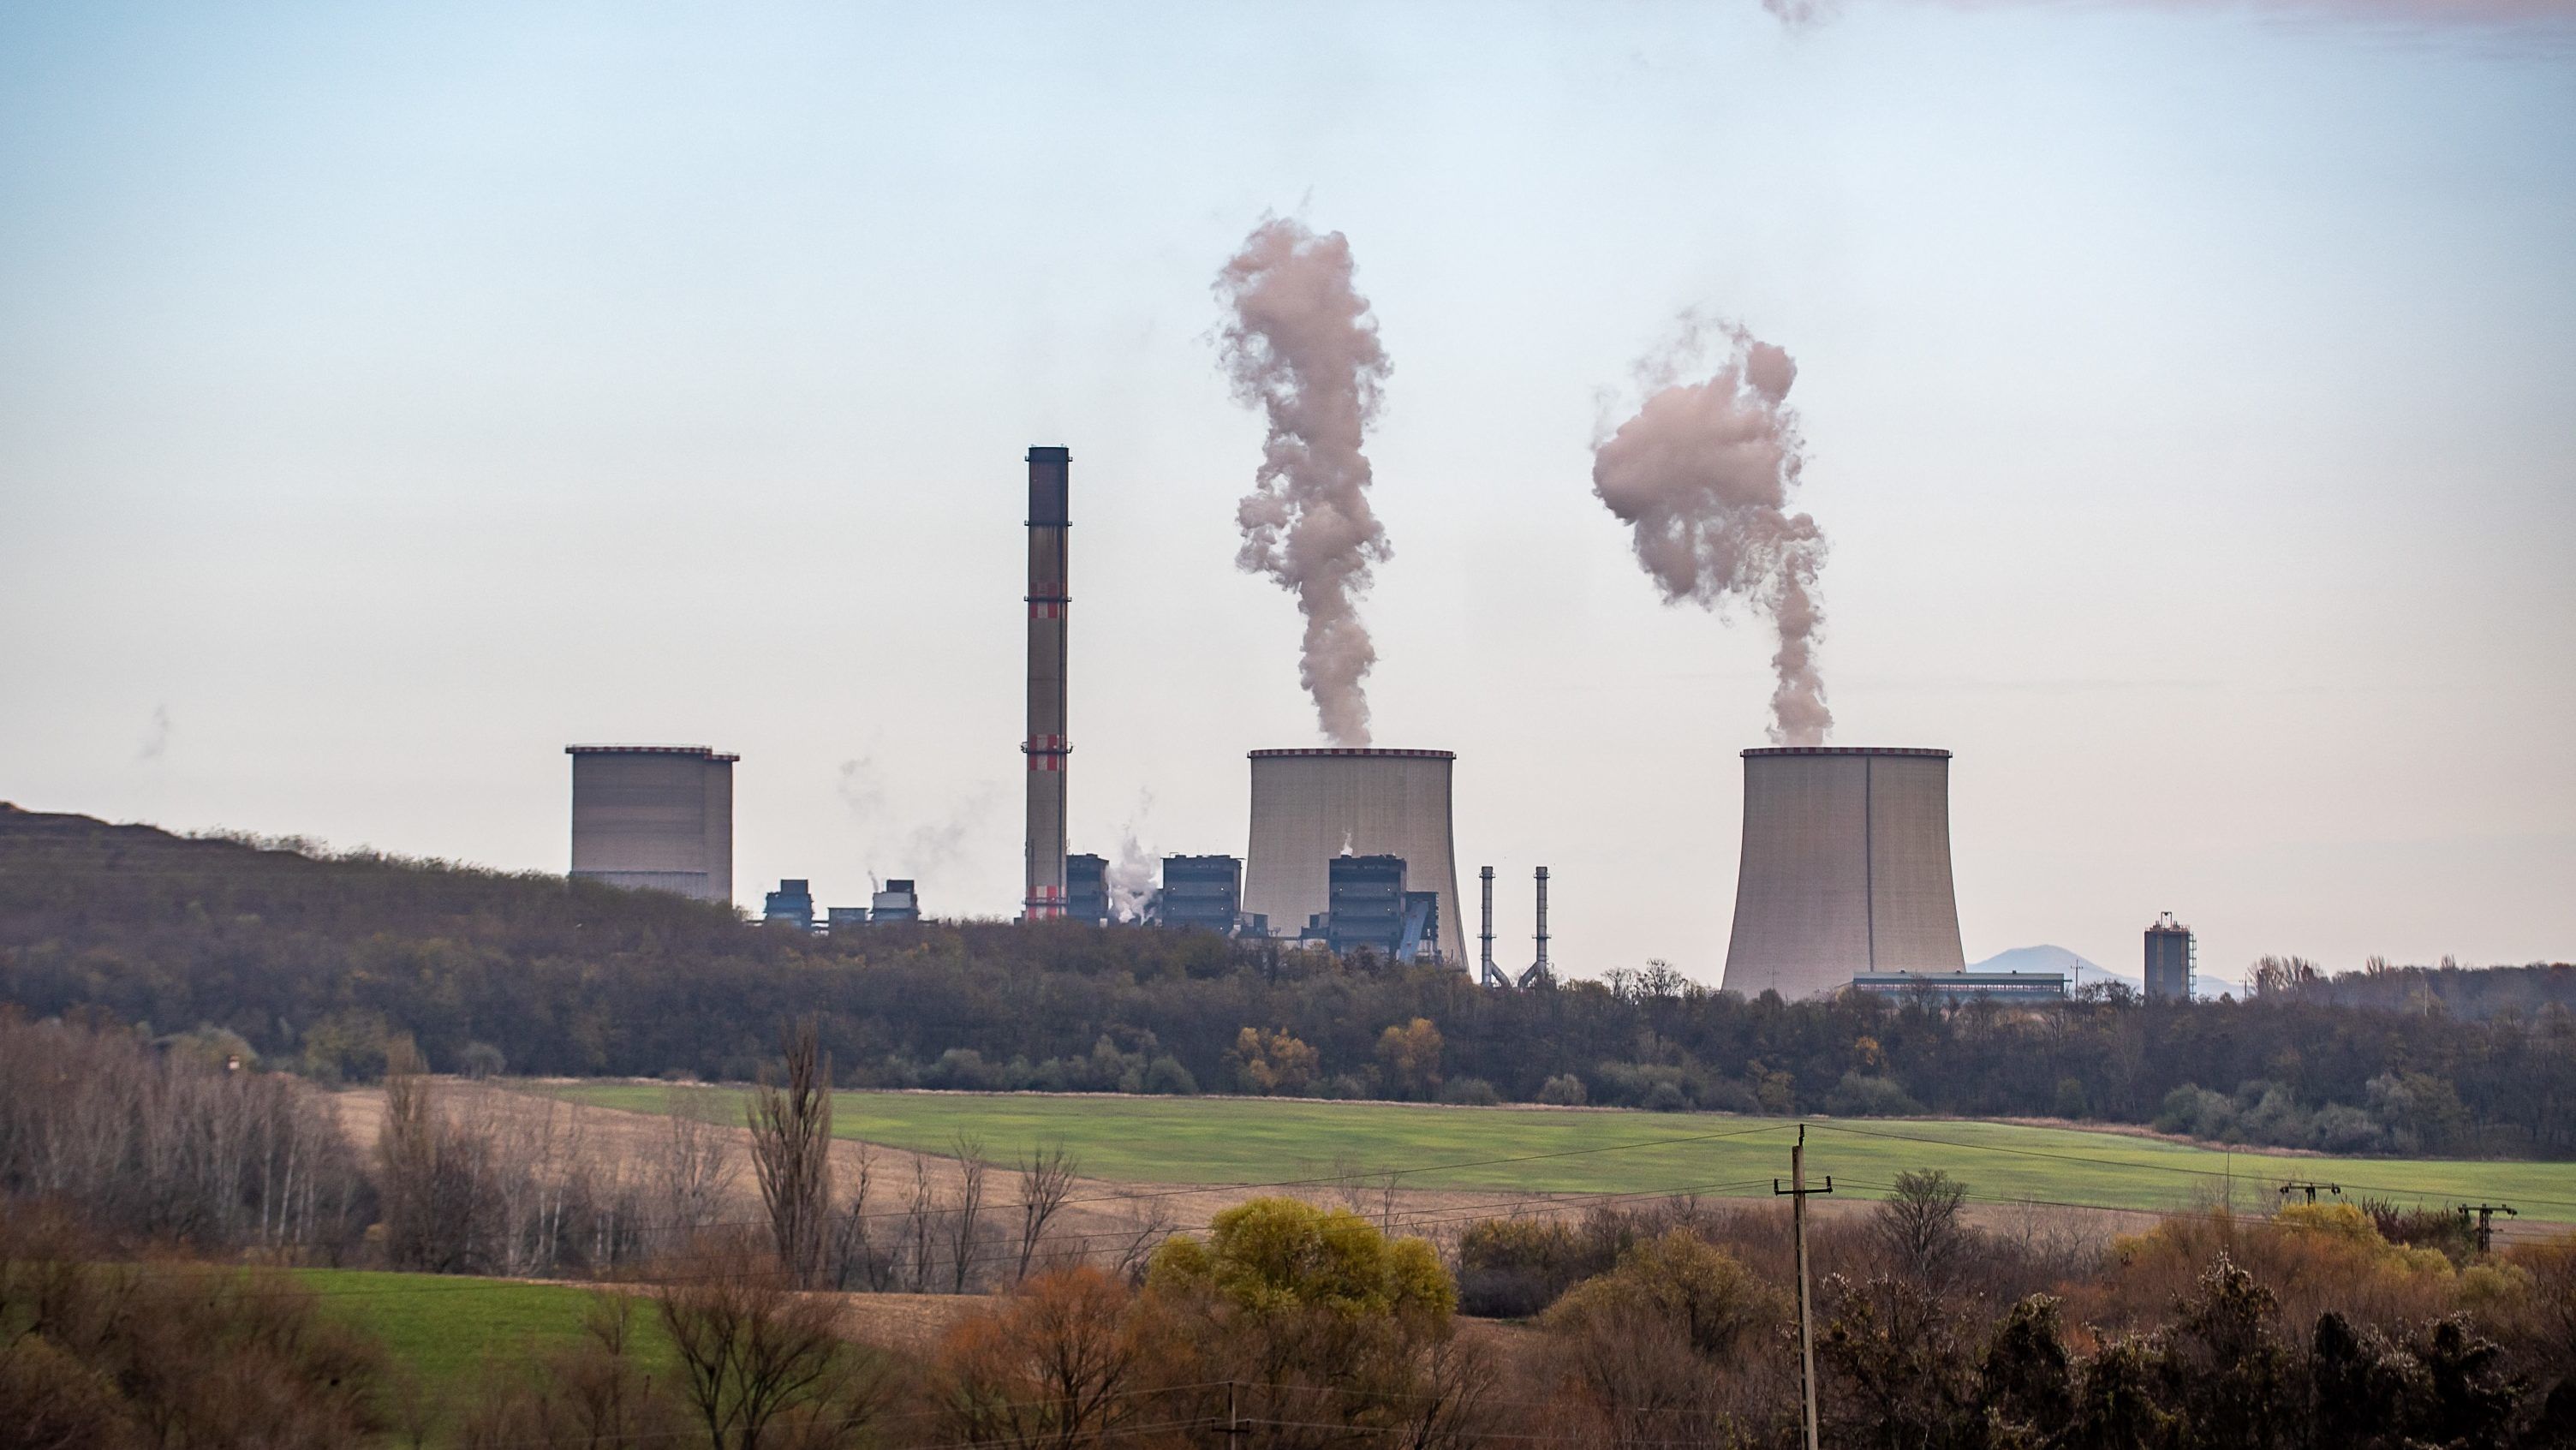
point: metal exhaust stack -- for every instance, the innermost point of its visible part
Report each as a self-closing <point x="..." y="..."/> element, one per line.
<point x="1050" y="596"/>
<point x="1490" y="975"/>
<point x="1538" y="971"/>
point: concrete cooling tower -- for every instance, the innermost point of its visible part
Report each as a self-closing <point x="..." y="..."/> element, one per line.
<point x="656" y="817"/>
<point x="1309" y="806"/>
<point x="1846" y="869"/>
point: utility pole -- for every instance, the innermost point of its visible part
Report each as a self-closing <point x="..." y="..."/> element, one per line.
<point x="2297" y="1184"/>
<point x="2486" y="1213"/>
<point x="1233" y="1419"/>
<point x="1797" y="1192"/>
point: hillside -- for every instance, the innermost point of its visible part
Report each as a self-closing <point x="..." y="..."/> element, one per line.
<point x="318" y="962"/>
<point x="2079" y="970"/>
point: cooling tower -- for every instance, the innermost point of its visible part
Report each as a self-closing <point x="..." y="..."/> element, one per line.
<point x="1309" y="806"/>
<point x="654" y="816"/>
<point x="1846" y="869"/>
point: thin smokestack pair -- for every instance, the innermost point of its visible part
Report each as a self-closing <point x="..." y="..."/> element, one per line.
<point x="1701" y="474"/>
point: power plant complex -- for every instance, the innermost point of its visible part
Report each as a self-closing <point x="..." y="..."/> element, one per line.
<point x="1844" y="881"/>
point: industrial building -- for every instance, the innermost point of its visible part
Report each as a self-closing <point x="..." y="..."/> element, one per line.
<point x="1845" y="870"/>
<point x="1205" y="892"/>
<point x="792" y="903"/>
<point x="1046" y="746"/>
<point x="1312" y="806"/>
<point x="654" y="817"/>
<point x="839" y="919"/>
<point x="1369" y="908"/>
<point x="897" y="902"/>
<point x="1951" y="988"/>
<point x="2173" y="961"/>
<point x="1086" y="888"/>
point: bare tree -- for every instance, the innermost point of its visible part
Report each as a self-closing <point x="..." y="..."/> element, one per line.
<point x="759" y="1362"/>
<point x="1920" y="1225"/>
<point x="435" y="1192"/>
<point x="692" y="1171"/>
<point x="791" y="1151"/>
<point x="1046" y="1180"/>
<point x="921" y="1219"/>
<point x="855" y="1259"/>
<point x="966" y="1224"/>
<point x="1151" y="1221"/>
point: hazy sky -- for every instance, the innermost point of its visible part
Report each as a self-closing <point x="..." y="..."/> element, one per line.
<point x="390" y="396"/>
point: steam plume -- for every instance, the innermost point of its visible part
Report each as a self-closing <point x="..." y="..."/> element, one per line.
<point x="1702" y="474"/>
<point x="1131" y="876"/>
<point x="1302" y="347"/>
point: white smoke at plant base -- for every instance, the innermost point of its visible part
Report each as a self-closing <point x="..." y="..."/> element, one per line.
<point x="1301" y="345"/>
<point x="1131" y="876"/>
<point x="1702" y="475"/>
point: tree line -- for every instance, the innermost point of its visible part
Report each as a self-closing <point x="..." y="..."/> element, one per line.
<point x="330" y="964"/>
<point x="1286" y="1324"/>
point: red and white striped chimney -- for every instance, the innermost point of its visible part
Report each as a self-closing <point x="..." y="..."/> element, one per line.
<point x="1050" y="596"/>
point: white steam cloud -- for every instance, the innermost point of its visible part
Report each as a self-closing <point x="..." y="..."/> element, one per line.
<point x="1702" y="475"/>
<point x="1131" y="876"/>
<point x="1301" y="345"/>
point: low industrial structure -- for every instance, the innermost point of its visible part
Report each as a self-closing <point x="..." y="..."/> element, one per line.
<point x="654" y="817"/>
<point x="1205" y="893"/>
<point x="1086" y="889"/>
<point x="1845" y="870"/>
<point x="2173" y="961"/>
<point x="897" y="902"/>
<point x="1370" y="910"/>
<point x="792" y="904"/>
<point x="1951" y="988"/>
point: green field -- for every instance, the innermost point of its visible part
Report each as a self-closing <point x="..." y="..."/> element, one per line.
<point x="449" y="1329"/>
<point x="1284" y="1141"/>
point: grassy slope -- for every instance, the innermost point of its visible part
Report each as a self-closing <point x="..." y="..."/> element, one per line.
<point x="447" y="1329"/>
<point x="1253" y="1140"/>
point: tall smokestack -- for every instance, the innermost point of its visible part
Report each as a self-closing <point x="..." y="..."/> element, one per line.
<point x="1050" y="596"/>
<point x="1541" y="969"/>
<point x="1491" y="975"/>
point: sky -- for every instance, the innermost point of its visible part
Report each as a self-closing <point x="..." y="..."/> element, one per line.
<point x="392" y="395"/>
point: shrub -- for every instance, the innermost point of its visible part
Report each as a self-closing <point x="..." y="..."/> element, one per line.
<point x="1699" y="1291"/>
<point x="1473" y="1091"/>
<point x="1564" y="1090"/>
<point x="1166" y="1075"/>
<point x="1871" y="1097"/>
<point x="2071" y="1101"/>
<point x="1514" y="1267"/>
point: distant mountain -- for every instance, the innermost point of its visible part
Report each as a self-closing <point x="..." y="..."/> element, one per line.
<point x="2082" y="972"/>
